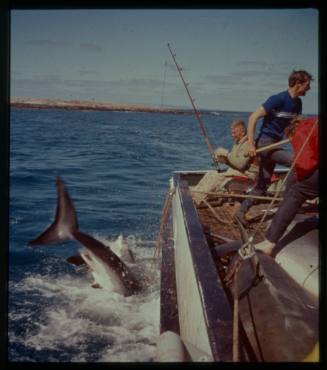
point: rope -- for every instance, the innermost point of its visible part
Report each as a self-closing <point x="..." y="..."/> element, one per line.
<point x="236" y="346"/>
<point x="247" y="251"/>
<point x="235" y="195"/>
<point x="284" y="180"/>
<point x="230" y="222"/>
<point x="163" y="221"/>
<point x="165" y="213"/>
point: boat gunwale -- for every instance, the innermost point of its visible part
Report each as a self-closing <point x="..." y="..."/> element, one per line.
<point x="169" y="320"/>
<point x="215" y="303"/>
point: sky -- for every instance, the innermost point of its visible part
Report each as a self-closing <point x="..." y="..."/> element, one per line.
<point x="233" y="59"/>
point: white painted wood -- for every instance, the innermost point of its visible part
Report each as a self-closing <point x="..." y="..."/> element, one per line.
<point x="191" y="316"/>
<point x="170" y="348"/>
<point x="196" y="354"/>
<point x="300" y="259"/>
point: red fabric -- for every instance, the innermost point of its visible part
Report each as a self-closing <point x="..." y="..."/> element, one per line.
<point x="240" y="178"/>
<point x="308" y="161"/>
<point x="274" y="177"/>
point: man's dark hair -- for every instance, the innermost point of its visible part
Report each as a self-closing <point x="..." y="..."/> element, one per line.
<point x="299" y="76"/>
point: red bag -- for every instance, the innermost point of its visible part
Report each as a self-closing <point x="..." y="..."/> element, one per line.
<point x="308" y="160"/>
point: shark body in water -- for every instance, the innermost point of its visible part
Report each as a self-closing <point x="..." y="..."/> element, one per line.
<point x="65" y="227"/>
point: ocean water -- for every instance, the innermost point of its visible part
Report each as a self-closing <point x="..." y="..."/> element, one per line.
<point x="116" y="166"/>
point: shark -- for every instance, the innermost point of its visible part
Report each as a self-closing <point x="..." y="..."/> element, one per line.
<point x="97" y="255"/>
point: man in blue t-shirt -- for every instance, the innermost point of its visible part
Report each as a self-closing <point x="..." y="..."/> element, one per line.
<point x="277" y="113"/>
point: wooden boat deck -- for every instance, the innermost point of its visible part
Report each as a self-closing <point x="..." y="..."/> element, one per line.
<point x="195" y="301"/>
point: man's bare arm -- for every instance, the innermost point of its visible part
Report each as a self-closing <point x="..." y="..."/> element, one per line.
<point x="253" y="119"/>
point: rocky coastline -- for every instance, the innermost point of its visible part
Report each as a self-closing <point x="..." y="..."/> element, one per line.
<point x="33" y="103"/>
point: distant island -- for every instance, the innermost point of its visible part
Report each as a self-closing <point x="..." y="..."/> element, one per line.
<point x="34" y="103"/>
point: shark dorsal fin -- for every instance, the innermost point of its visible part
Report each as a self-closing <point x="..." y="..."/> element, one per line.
<point x="65" y="223"/>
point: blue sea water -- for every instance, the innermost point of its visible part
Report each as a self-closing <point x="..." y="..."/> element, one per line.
<point x="117" y="167"/>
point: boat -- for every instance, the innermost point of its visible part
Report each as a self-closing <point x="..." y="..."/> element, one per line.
<point x="220" y="304"/>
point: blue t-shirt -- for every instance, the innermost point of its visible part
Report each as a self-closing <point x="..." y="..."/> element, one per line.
<point x="281" y="109"/>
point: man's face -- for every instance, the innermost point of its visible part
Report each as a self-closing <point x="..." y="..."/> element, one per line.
<point x="237" y="133"/>
<point x="303" y="87"/>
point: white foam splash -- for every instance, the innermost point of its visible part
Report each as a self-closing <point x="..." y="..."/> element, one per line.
<point x="91" y="324"/>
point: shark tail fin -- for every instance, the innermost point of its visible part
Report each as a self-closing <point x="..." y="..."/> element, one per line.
<point x="65" y="224"/>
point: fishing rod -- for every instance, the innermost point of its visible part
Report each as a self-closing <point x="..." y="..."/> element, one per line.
<point x="197" y="113"/>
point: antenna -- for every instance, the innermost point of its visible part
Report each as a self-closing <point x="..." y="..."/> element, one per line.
<point x="197" y="113"/>
<point x="163" y="85"/>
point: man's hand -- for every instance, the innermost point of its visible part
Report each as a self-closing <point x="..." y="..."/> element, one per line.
<point x="220" y="155"/>
<point x="252" y="150"/>
<point x="221" y="152"/>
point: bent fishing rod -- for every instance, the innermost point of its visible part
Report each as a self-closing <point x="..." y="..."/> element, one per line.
<point x="197" y="113"/>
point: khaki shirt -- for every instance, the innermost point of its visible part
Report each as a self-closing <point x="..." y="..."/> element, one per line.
<point x="236" y="158"/>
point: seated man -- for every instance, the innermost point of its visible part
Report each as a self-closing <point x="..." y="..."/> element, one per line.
<point x="237" y="159"/>
<point x="305" y="186"/>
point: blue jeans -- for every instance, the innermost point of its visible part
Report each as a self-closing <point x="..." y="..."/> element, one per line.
<point x="293" y="198"/>
<point x="267" y="165"/>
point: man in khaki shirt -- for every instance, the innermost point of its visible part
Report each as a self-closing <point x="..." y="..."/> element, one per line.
<point x="237" y="159"/>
